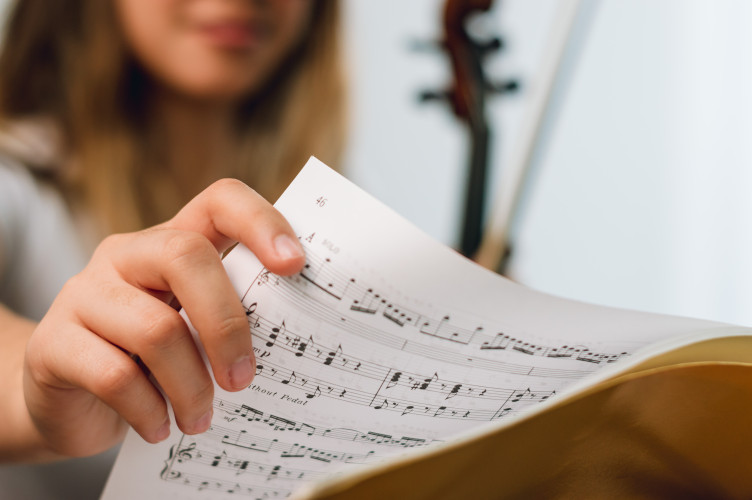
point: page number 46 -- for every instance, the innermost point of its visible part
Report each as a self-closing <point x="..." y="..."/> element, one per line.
<point x="321" y="201"/>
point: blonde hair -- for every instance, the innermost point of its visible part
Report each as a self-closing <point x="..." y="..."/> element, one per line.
<point x="66" y="60"/>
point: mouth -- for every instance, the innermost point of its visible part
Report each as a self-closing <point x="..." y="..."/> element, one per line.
<point x="233" y="34"/>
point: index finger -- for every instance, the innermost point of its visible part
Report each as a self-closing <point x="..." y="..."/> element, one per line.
<point x="230" y="211"/>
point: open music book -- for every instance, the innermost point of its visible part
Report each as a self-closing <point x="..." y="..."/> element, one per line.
<point x="389" y="350"/>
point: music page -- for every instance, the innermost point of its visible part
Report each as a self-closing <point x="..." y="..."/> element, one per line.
<point x="386" y="342"/>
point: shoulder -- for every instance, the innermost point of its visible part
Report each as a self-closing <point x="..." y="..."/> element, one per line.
<point x="14" y="175"/>
<point x="18" y="192"/>
<point x="26" y="146"/>
<point x="15" y="181"/>
<point x="40" y="247"/>
<point x="22" y="195"/>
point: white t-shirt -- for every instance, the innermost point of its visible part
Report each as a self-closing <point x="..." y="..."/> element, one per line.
<point x="40" y="249"/>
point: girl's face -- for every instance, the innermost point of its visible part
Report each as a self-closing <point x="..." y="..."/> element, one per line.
<point x="213" y="49"/>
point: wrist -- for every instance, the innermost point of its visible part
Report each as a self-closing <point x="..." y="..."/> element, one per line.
<point x="20" y="440"/>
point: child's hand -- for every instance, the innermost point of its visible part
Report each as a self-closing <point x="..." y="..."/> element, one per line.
<point x="81" y="381"/>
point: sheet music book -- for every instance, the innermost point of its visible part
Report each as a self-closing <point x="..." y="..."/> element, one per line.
<point x="386" y="349"/>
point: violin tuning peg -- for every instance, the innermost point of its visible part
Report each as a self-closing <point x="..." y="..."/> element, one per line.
<point x="491" y="45"/>
<point x="504" y="87"/>
<point x="431" y="95"/>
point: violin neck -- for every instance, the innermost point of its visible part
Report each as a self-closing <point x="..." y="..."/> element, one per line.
<point x="475" y="194"/>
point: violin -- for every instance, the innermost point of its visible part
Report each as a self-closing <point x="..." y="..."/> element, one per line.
<point x="467" y="98"/>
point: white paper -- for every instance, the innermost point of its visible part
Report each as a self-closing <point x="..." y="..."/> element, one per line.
<point x="386" y="342"/>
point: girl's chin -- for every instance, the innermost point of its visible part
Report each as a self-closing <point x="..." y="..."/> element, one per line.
<point x="224" y="88"/>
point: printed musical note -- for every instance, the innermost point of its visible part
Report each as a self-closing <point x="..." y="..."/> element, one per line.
<point x="218" y="458"/>
<point x="274" y="472"/>
<point x="292" y="378"/>
<point x="394" y="380"/>
<point x="315" y="393"/>
<point x="445" y="330"/>
<point x="299" y="344"/>
<point x="279" y="423"/>
<point x="320" y="276"/>
<point x="244" y="412"/>
<point x="333" y="354"/>
<point x="242" y="439"/>
<point x="276" y="332"/>
<point x="297" y="450"/>
<point x="455" y="390"/>
<point x="384" y="404"/>
<point x="400" y="316"/>
<point x="425" y="383"/>
<point x="368" y="303"/>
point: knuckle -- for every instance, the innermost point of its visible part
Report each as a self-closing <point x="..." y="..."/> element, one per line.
<point x="202" y="396"/>
<point x="160" y="330"/>
<point x="74" y="285"/>
<point x="227" y="184"/>
<point x="227" y="328"/>
<point x="39" y="363"/>
<point x="182" y="246"/>
<point x="116" y="377"/>
<point x="109" y="243"/>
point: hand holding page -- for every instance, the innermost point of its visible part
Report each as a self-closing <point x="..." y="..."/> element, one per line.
<point x="386" y="343"/>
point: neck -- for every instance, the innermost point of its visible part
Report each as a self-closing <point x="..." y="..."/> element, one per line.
<point x="196" y="138"/>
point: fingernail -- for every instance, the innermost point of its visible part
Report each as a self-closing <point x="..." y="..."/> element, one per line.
<point x="164" y="431"/>
<point x="241" y="373"/>
<point x="204" y="422"/>
<point x="287" y="248"/>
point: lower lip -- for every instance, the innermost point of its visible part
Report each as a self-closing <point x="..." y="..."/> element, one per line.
<point x="231" y="36"/>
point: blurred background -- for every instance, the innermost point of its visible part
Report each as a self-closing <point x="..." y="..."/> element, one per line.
<point x="639" y="193"/>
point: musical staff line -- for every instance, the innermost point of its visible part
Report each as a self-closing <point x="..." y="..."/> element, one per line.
<point x="206" y="483"/>
<point x="380" y="399"/>
<point x="261" y="328"/>
<point x="336" y="358"/>
<point x="243" y="439"/>
<point x="365" y="300"/>
<point x="283" y="424"/>
<point x="239" y="465"/>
